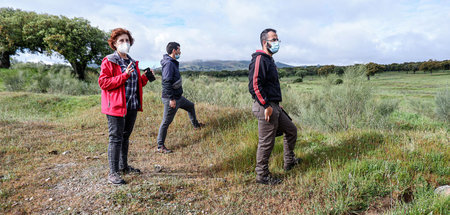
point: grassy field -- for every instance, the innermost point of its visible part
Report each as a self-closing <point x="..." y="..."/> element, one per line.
<point x="53" y="155"/>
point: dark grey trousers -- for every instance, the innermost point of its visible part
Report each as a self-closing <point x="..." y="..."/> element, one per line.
<point x="169" y="114"/>
<point x="120" y="129"/>
<point x="267" y="133"/>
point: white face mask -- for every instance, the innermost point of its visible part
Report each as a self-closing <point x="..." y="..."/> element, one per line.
<point x="123" y="48"/>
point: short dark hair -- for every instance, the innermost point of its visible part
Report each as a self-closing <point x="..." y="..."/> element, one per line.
<point x="171" y="46"/>
<point x="264" y="33"/>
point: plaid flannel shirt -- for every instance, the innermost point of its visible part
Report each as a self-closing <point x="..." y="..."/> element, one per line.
<point x="131" y="85"/>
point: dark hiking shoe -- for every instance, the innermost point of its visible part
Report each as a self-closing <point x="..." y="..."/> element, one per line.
<point x="269" y="180"/>
<point x="297" y="161"/>
<point x="164" y="150"/>
<point x="130" y="169"/>
<point x="199" y="126"/>
<point x="115" y="178"/>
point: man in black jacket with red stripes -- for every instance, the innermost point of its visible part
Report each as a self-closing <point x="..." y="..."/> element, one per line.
<point x="264" y="85"/>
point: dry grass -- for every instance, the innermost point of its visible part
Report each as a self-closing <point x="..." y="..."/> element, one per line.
<point x="212" y="170"/>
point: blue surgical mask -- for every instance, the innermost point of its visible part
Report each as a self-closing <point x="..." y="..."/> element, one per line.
<point x="177" y="56"/>
<point x="274" y="47"/>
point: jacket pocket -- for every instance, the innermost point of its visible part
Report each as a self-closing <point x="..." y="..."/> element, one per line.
<point x="177" y="84"/>
<point x="258" y="110"/>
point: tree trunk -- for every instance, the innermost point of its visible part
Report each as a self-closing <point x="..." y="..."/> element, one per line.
<point x="5" y="60"/>
<point x="368" y="77"/>
<point x="79" y="69"/>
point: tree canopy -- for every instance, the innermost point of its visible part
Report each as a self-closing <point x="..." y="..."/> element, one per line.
<point x="372" y="69"/>
<point x="74" y="40"/>
<point x="325" y="70"/>
<point x="431" y="65"/>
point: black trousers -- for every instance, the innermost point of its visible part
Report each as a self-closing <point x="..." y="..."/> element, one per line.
<point x="120" y="129"/>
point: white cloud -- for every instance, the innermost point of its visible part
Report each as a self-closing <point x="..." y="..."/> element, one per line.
<point x="312" y="32"/>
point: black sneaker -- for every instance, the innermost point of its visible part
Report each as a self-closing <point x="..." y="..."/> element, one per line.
<point x="297" y="161"/>
<point x="164" y="150"/>
<point x="199" y="126"/>
<point x="130" y="169"/>
<point x="115" y="178"/>
<point x="269" y="180"/>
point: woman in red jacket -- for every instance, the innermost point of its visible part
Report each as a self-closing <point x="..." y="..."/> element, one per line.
<point x="121" y="83"/>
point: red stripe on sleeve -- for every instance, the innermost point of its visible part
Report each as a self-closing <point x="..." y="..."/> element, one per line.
<point x="255" y="81"/>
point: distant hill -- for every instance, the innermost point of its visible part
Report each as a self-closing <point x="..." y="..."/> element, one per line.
<point x="219" y="65"/>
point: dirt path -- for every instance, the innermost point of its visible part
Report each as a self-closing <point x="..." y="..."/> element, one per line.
<point x="64" y="168"/>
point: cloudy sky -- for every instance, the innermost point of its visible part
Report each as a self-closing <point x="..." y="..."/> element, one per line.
<point x="312" y="32"/>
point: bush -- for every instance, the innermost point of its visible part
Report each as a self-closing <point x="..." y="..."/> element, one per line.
<point x="338" y="81"/>
<point x="31" y="66"/>
<point x="443" y="105"/>
<point x="65" y="83"/>
<point x="231" y="92"/>
<point x="346" y="106"/>
<point x="298" y="80"/>
<point x="40" y="82"/>
<point x="41" y="78"/>
<point x="14" y="81"/>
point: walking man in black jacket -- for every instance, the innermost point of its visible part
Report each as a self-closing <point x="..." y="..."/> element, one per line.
<point x="264" y="86"/>
<point x="172" y="91"/>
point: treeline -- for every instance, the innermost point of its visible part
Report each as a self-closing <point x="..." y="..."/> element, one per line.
<point x="371" y="68"/>
<point x="324" y="70"/>
<point x="74" y="40"/>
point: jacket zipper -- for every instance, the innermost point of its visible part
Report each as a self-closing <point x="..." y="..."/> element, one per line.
<point x="109" y="99"/>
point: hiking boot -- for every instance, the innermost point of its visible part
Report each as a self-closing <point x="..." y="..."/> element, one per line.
<point x="288" y="167"/>
<point x="130" y="169"/>
<point x="268" y="180"/>
<point x="199" y="126"/>
<point x="163" y="149"/>
<point x="115" y="178"/>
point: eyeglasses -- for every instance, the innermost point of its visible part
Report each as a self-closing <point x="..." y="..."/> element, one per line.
<point x="274" y="40"/>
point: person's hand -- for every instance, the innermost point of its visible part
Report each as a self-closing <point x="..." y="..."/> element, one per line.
<point x="129" y="69"/>
<point x="267" y="113"/>
<point x="151" y="70"/>
<point x="173" y="103"/>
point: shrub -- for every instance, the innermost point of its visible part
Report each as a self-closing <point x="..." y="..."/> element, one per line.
<point x="40" y="82"/>
<point x="41" y="78"/>
<point x="65" y="83"/>
<point x="345" y="106"/>
<point x="338" y="81"/>
<point x="298" y="80"/>
<point x="231" y="92"/>
<point x="15" y="80"/>
<point x="443" y="105"/>
<point x="31" y="66"/>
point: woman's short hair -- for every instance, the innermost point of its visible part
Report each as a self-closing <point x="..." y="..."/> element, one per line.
<point x="115" y="33"/>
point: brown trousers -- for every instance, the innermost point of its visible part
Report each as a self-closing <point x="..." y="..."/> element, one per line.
<point x="279" y="121"/>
